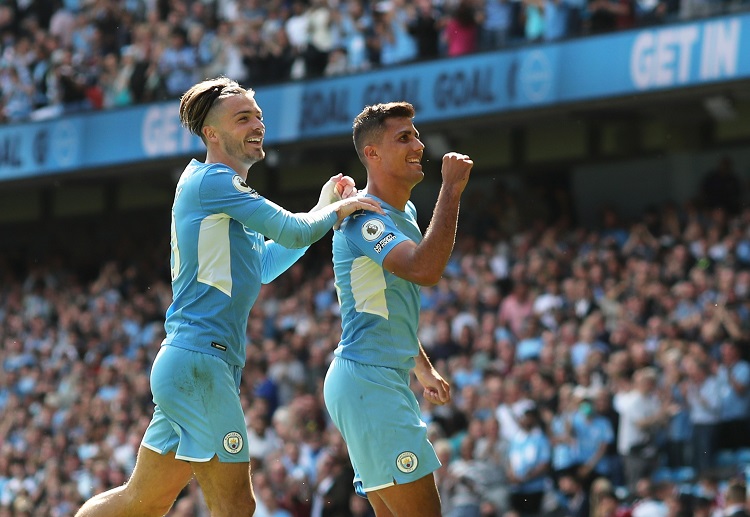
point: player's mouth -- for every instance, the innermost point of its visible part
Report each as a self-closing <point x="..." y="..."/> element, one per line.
<point x="417" y="160"/>
<point x="256" y="140"/>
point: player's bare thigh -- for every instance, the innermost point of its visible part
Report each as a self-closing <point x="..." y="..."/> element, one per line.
<point x="226" y="487"/>
<point x="417" y="499"/>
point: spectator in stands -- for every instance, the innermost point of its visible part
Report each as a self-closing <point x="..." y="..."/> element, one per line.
<point x="337" y="64"/>
<point x="229" y="121"/>
<point x="606" y="504"/>
<point x="513" y="401"/>
<point x="66" y="87"/>
<point x="223" y="50"/>
<point x="354" y="25"/>
<point x="115" y="79"/>
<point x="16" y="95"/>
<point x="320" y="38"/>
<point x="556" y="15"/>
<point x="733" y="377"/>
<point x="516" y="307"/>
<point x="280" y="57"/>
<point x="461" y="30"/>
<point x="641" y="417"/>
<point x="650" y="499"/>
<point x="701" y="391"/>
<point x="735" y="499"/>
<point x="576" y="501"/>
<point x="395" y="44"/>
<point x="467" y="483"/>
<point x="679" y="428"/>
<point x="333" y="482"/>
<point x="529" y="454"/>
<point x="593" y="434"/>
<point x="424" y="20"/>
<point x="178" y="64"/>
<point x="561" y="434"/>
<point x="533" y="20"/>
<point x="495" y="24"/>
<point x="255" y="56"/>
<point x="296" y="27"/>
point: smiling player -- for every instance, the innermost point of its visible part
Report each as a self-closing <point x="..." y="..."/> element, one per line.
<point x="380" y="262"/>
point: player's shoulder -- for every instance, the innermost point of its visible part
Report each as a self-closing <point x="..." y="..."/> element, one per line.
<point x="218" y="171"/>
<point x="220" y="177"/>
<point x="367" y="224"/>
<point x="196" y="172"/>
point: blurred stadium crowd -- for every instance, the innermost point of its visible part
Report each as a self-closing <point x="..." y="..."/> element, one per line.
<point x="63" y="56"/>
<point x="616" y="356"/>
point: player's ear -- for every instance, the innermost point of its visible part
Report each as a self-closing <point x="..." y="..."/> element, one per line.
<point x="370" y="152"/>
<point x="209" y="132"/>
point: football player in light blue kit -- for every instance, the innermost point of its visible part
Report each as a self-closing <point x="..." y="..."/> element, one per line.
<point x="380" y="262"/>
<point x="220" y="257"/>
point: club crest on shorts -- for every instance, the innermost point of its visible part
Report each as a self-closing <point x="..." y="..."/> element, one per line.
<point x="407" y="462"/>
<point x="372" y="229"/>
<point x="233" y="442"/>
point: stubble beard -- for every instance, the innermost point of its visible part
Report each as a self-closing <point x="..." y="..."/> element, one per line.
<point x="249" y="156"/>
<point x="256" y="156"/>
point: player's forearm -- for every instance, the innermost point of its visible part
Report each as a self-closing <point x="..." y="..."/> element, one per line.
<point x="433" y="253"/>
<point x="422" y="362"/>
<point x="276" y="259"/>
<point x="299" y="230"/>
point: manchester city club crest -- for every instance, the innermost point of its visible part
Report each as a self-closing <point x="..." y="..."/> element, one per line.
<point x="233" y="442"/>
<point x="407" y="462"/>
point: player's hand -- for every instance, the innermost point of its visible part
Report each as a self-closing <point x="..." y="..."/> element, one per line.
<point x="436" y="389"/>
<point x="346" y="207"/>
<point x="338" y="187"/>
<point x="456" y="169"/>
<point x="345" y="187"/>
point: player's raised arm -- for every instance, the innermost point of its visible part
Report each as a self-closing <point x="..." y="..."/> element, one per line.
<point x="425" y="262"/>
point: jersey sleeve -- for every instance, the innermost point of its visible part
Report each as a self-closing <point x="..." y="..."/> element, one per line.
<point x="276" y="259"/>
<point x="373" y="234"/>
<point x="222" y="191"/>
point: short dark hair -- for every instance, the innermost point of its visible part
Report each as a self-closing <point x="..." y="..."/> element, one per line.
<point x="369" y="124"/>
<point x="196" y="103"/>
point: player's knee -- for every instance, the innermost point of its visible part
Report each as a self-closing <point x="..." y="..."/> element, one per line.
<point x="250" y="504"/>
<point x="125" y="498"/>
<point x="245" y="508"/>
<point x="239" y="505"/>
<point x="149" y="503"/>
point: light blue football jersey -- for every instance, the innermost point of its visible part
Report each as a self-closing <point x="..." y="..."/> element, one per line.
<point x="379" y="310"/>
<point x="220" y="257"/>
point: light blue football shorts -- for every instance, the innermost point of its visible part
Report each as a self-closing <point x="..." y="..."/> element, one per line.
<point x="379" y="418"/>
<point x="198" y="412"/>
